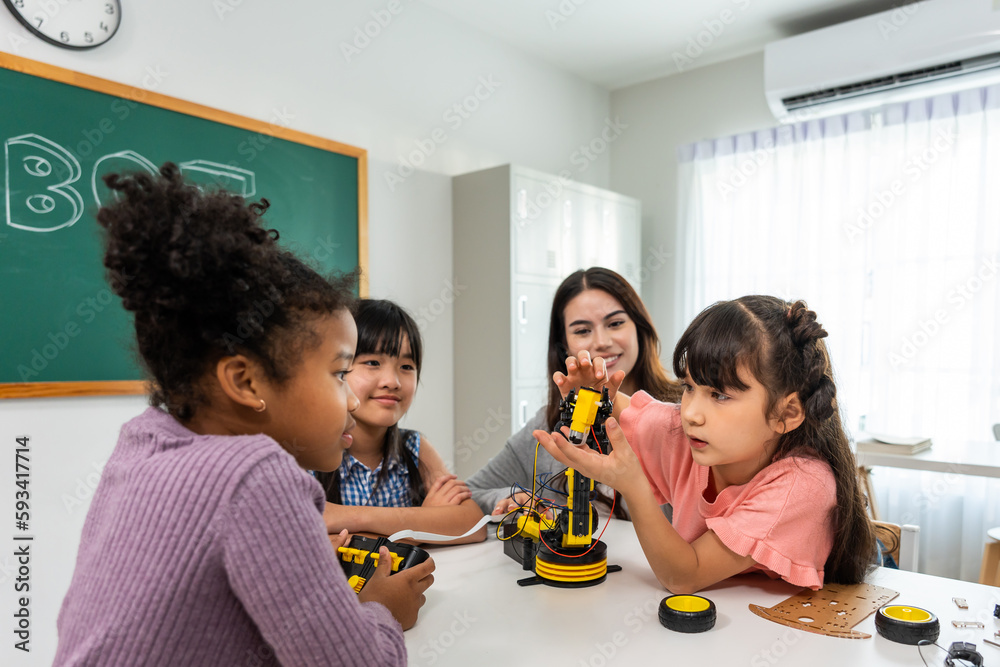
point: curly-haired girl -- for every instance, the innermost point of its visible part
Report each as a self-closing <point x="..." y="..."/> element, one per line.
<point x="205" y="543"/>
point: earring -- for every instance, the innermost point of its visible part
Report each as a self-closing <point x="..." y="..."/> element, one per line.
<point x="263" y="406"/>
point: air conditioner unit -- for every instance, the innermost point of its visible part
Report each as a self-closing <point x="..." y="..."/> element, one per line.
<point x="915" y="50"/>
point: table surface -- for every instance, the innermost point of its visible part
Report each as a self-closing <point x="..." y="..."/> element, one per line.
<point x="476" y="614"/>
<point x="970" y="458"/>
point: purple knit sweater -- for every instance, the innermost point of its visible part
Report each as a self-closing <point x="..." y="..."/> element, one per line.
<point x="211" y="550"/>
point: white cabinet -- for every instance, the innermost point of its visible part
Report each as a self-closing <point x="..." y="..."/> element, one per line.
<point x="527" y="400"/>
<point x="517" y="234"/>
<point x="532" y="306"/>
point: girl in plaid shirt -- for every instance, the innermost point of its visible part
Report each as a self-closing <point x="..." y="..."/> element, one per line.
<point x="391" y="478"/>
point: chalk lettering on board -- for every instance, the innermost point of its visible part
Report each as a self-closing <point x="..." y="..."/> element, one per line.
<point x="116" y="163"/>
<point x="36" y="200"/>
<point x="235" y="179"/>
<point x="39" y="173"/>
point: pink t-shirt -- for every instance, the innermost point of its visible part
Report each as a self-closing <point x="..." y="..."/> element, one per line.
<point x="780" y="518"/>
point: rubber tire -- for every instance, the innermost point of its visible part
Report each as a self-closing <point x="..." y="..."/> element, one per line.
<point x="907" y="632"/>
<point x="687" y="621"/>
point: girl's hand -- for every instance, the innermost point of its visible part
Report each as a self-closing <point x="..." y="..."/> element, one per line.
<point x="403" y="592"/>
<point x="620" y="469"/>
<point x="582" y="372"/>
<point x="446" y="490"/>
<point x="339" y="540"/>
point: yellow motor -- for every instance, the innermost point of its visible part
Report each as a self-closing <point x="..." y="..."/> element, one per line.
<point x="584" y="414"/>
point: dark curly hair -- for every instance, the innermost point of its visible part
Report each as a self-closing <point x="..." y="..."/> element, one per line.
<point x="204" y="279"/>
<point x="781" y="345"/>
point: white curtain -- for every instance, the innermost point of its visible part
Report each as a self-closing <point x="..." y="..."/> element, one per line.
<point x="888" y="224"/>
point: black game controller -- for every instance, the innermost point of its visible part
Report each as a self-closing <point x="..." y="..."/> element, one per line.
<point x="360" y="558"/>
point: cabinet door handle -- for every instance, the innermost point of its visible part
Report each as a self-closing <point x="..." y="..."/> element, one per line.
<point x="522" y="409"/>
<point x="522" y="309"/>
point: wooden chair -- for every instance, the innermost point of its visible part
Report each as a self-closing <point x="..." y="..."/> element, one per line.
<point x="989" y="571"/>
<point x="900" y="542"/>
<point x="865" y="479"/>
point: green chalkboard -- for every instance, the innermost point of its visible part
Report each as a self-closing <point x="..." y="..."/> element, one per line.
<point x="63" y="332"/>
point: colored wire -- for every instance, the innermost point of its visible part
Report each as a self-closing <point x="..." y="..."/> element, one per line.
<point x="593" y="508"/>
<point x="535" y="502"/>
<point x="924" y="642"/>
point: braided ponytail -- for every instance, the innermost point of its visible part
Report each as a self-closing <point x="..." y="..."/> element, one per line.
<point x="818" y="393"/>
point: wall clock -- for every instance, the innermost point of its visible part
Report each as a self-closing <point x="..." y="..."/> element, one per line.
<point x="71" y="24"/>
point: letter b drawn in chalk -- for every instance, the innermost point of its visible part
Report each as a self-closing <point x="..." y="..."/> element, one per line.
<point x="40" y="174"/>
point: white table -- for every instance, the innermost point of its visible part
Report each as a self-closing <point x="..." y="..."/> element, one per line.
<point x="477" y="615"/>
<point x="971" y="458"/>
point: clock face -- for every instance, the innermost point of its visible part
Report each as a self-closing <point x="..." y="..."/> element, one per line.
<point x="72" y="24"/>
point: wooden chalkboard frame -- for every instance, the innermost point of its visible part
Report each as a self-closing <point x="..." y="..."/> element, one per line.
<point x="143" y="96"/>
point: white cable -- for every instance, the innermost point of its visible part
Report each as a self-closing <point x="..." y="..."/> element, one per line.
<point x="434" y="537"/>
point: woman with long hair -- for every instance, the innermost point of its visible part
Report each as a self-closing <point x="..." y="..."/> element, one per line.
<point x="594" y="310"/>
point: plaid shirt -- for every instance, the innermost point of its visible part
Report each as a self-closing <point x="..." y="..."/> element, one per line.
<point x="356" y="480"/>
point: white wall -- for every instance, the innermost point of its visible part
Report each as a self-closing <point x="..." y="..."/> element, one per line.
<point x="708" y="102"/>
<point x="262" y="58"/>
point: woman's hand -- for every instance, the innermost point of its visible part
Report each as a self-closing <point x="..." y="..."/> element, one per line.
<point x="520" y="502"/>
<point x="403" y="592"/>
<point x="517" y="501"/>
<point x="582" y="372"/>
<point x="446" y="490"/>
<point x="620" y="469"/>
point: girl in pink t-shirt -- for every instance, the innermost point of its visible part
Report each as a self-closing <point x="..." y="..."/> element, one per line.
<point x="754" y="460"/>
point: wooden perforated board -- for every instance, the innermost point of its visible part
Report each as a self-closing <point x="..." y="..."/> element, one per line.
<point x="832" y="610"/>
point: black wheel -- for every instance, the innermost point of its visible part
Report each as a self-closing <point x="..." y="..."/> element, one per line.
<point x="687" y="613"/>
<point x="907" y="625"/>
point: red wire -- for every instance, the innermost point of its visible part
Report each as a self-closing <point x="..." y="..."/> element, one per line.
<point x="614" y="499"/>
